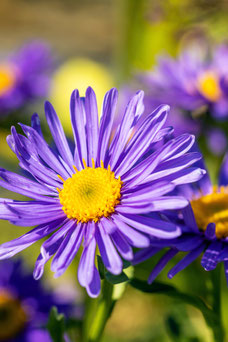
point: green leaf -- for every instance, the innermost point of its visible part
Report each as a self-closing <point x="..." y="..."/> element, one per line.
<point x="56" y="325"/>
<point x="173" y="292"/>
<point x="116" y="279"/>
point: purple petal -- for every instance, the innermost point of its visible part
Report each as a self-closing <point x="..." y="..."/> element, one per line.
<point x="122" y="245"/>
<point x="58" y="134"/>
<point x="91" y="124"/>
<point x="187" y="260"/>
<point x="133" y="110"/>
<point x="161" y="264"/>
<point x="156" y="228"/>
<point x="109" y="255"/>
<point x="12" y="247"/>
<point x="35" y="123"/>
<point x="135" y="238"/>
<point x="189" y="218"/>
<point x="210" y="257"/>
<point x="67" y="250"/>
<point x="94" y="287"/>
<point x="108" y="112"/>
<point x="144" y="254"/>
<point x="44" y="151"/>
<point x="142" y="139"/>
<point x="86" y="264"/>
<point x="78" y="121"/>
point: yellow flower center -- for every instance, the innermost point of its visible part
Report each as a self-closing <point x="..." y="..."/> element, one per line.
<point x="90" y="193"/>
<point x="213" y="208"/>
<point x="7" y="78"/>
<point x="208" y="85"/>
<point x="12" y="316"/>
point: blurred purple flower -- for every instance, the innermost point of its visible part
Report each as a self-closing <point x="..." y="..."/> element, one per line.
<point x="25" y="76"/>
<point x="24" y="305"/>
<point x="102" y="192"/>
<point x="192" y="82"/>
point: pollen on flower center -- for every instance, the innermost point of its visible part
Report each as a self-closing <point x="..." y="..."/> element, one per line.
<point x="213" y="208"/>
<point x="12" y="316"/>
<point x="90" y="194"/>
<point x="208" y="85"/>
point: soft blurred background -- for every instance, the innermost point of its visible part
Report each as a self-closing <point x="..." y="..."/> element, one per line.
<point x="107" y="43"/>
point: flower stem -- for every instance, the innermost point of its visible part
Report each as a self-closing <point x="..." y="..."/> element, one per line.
<point x="217" y="327"/>
<point x="99" y="311"/>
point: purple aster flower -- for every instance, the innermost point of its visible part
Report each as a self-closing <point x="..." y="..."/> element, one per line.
<point x="204" y="225"/>
<point x="192" y="82"/>
<point x="24" y="76"/>
<point x="24" y="304"/>
<point x="101" y="193"/>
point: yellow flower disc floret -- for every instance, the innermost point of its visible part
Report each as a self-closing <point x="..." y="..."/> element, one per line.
<point x="13" y="317"/>
<point x="208" y="85"/>
<point x="90" y="194"/>
<point x="213" y="208"/>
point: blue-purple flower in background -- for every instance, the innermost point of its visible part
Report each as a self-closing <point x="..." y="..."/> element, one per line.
<point x="193" y="84"/>
<point x="25" y="76"/>
<point x="102" y="192"/>
<point x="204" y="225"/>
<point x="24" y="304"/>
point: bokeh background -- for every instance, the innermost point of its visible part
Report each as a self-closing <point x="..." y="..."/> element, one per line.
<point x="104" y="43"/>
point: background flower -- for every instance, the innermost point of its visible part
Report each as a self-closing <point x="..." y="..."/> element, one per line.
<point x="25" y="76"/>
<point x="24" y="304"/>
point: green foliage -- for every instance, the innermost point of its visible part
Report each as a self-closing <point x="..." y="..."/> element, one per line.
<point x="56" y="325"/>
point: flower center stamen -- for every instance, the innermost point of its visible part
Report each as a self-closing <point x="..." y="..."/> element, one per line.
<point x="12" y="316"/>
<point x="213" y="208"/>
<point x="7" y="78"/>
<point x="208" y="85"/>
<point x="90" y="193"/>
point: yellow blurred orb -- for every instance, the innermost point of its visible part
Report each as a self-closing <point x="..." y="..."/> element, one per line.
<point x="78" y="73"/>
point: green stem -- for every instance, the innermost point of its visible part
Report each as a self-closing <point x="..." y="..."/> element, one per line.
<point x="99" y="311"/>
<point x="217" y="327"/>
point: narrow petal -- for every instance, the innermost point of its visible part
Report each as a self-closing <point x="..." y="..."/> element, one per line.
<point x="161" y="264"/>
<point x="135" y="238"/>
<point x="92" y="130"/>
<point x="189" y="218"/>
<point x="86" y="264"/>
<point x="35" y="123"/>
<point x="58" y="134"/>
<point x="156" y="228"/>
<point x="142" y="139"/>
<point x="122" y="245"/>
<point x="148" y="193"/>
<point x="144" y="254"/>
<point x="10" y="248"/>
<point x="68" y="249"/>
<point x="25" y="183"/>
<point x="108" y="112"/>
<point x="187" y="260"/>
<point x="44" y="151"/>
<point x="78" y="121"/>
<point x="210" y="257"/>
<point x="109" y="255"/>
<point x="94" y="287"/>
<point x="133" y="110"/>
<point x="50" y="247"/>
